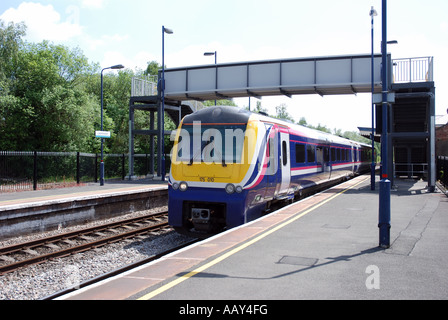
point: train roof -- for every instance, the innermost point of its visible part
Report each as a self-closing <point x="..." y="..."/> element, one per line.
<point x="231" y="114"/>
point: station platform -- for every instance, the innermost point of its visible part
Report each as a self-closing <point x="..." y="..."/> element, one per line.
<point x="29" y="212"/>
<point x="84" y="190"/>
<point x="323" y="247"/>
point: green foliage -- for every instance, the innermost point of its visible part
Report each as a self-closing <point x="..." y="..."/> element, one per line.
<point x="50" y="100"/>
<point x="282" y="113"/>
<point x="211" y="103"/>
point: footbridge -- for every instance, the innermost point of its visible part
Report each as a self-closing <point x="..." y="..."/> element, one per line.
<point x="412" y="113"/>
<point x="318" y="75"/>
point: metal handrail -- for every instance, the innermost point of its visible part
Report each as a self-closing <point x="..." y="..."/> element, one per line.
<point x="418" y="69"/>
<point x="146" y="86"/>
<point x="410" y="166"/>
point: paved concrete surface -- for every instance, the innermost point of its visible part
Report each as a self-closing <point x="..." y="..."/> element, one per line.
<point x="332" y="253"/>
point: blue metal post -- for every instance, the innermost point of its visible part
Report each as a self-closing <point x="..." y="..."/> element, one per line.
<point x="384" y="201"/>
<point x="372" y="165"/>
<point x="102" y="160"/>
<point x="118" y="66"/>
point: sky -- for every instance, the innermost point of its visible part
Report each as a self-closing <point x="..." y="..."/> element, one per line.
<point x="112" y="32"/>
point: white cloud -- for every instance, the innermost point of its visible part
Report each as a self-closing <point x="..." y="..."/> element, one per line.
<point x="43" y="22"/>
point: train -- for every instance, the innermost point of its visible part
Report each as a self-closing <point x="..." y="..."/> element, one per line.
<point x="230" y="166"/>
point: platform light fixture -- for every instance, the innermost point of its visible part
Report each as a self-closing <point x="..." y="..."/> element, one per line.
<point x="116" y="67"/>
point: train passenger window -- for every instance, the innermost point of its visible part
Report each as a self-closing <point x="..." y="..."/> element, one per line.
<point x="272" y="164"/>
<point x="300" y="153"/>
<point x="326" y="154"/>
<point x="311" y="152"/>
<point x="284" y="153"/>
<point x="333" y="154"/>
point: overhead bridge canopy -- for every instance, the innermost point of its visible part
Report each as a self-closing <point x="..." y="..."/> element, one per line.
<point x="317" y="75"/>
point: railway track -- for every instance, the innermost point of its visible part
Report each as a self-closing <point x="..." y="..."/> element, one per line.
<point x="38" y="251"/>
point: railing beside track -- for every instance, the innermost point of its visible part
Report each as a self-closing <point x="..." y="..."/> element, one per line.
<point x="32" y="170"/>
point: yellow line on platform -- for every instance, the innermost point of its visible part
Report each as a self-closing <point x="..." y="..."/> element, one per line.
<point x="173" y="283"/>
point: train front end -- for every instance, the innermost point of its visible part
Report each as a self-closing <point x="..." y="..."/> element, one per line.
<point x="211" y="161"/>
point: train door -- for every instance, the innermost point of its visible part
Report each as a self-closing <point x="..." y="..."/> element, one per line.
<point x="273" y="178"/>
<point x="285" y="163"/>
<point x="323" y="159"/>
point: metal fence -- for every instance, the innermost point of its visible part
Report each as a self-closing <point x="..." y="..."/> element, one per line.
<point x="411" y="169"/>
<point x="32" y="170"/>
<point x="413" y="69"/>
<point x="442" y="170"/>
<point x="144" y="86"/>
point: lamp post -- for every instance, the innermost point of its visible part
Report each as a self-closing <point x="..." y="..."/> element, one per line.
<point x="216" y="57"/>
<point x="118" y="66"/>
<point x="384" y="193"/>
<point x="160" y="142"/>
<point x="372" y="14"/>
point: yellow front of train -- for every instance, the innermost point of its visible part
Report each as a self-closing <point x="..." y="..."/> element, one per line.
<point x="213" y="159"/>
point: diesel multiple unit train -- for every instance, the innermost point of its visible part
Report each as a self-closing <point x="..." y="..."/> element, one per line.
<point x="229" y="166"/>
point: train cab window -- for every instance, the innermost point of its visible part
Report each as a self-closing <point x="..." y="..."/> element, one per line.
<point x="311" y="153"/>
<point x="300" y="153"/>
<point x="284" y="153"/>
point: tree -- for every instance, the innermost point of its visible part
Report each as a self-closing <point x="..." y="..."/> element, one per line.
<point x="224" y="102"/>
<point x="282" y="113"/>
<point x="43" y="107"/>
<point x="303" y="122"/>
<point x="152" y="69"/>
<point x="10" y="43"/>
<point x="72" y="117"/>
<point x="260" y="109"/>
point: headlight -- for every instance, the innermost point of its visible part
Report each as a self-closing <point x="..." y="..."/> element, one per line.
<point x="230" y="188"/>
<point x="239" y="189"/>
<point x="175" y="186"/>
<point x="183" y="186"/>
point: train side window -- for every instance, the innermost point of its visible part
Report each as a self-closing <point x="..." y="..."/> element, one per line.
<point x="284" y="153"/>
<point x="333" y="154"/>
<point x="326" y="154"/>
<point x="300" y="153"/>
<point x="272" y="156"/>
<point x="311" y="152"/>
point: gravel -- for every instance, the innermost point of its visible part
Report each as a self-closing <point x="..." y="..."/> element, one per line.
<point x="42" y="280"/>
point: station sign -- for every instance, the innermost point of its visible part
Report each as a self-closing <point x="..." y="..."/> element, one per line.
<point x="102" y="134"/>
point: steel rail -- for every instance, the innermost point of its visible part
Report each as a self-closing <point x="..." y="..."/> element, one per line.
<point x="73" y="234"/>
<point x="81" y="248"/>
